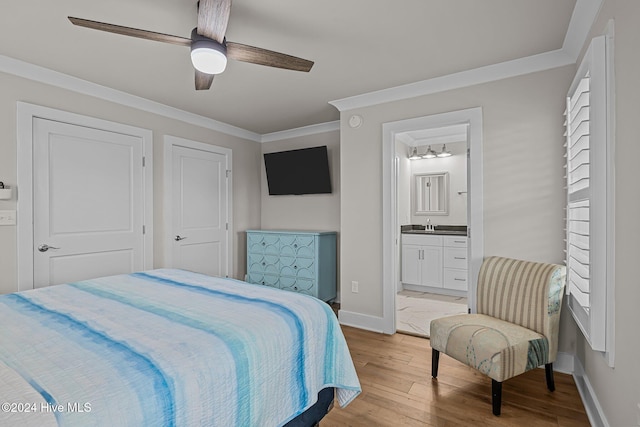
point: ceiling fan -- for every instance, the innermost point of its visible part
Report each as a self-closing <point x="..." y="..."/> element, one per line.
<point x="209" y="48"/>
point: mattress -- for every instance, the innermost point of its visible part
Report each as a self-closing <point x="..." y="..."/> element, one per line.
<point x="167" y="348"/>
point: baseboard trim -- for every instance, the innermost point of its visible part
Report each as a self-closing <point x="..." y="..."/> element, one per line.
<point x="564" y="363"/>
<point x="361" y="321"/>
<point x="589" y="398"/>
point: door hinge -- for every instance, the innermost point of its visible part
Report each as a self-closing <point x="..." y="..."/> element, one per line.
<point x="144" y="161"/>
<point x="228" y="172"/>
<point x="144" y="229"/>
<point x="226" y="226"/>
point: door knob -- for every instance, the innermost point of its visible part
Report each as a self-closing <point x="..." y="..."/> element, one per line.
<point x="44" y="247"/>
<point x="178" y="238"/>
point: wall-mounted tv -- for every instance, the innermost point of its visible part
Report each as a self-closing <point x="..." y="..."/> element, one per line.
<point x="303" y="171"/>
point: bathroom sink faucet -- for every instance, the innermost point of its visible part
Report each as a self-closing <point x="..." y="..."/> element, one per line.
<point x="429" y="226"/>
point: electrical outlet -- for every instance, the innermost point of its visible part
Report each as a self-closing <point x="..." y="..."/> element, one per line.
<point x="7" y="217"/>
<point x="354" y="286"/>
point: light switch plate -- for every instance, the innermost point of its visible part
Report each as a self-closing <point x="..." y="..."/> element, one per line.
<point x="7" y="217"/>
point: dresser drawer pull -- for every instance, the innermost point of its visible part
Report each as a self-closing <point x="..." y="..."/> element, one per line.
<point x="295" y="245"/>
<point x="264" y="263"/>
<point x="295" y="267"/>
<point x="460" y="280"/>
<point x="263" y="243"/>
<point x="459" y="257"/>
<point x="459" y="241"/>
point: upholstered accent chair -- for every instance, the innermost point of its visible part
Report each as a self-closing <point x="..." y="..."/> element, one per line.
<point x="516" y="325"/>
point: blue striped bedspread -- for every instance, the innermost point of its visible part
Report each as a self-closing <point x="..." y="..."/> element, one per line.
<point x="167" y="348"/>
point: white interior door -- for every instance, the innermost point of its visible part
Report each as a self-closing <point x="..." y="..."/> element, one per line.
<point x="88" y="203"/>
<point x="199" y="234"/>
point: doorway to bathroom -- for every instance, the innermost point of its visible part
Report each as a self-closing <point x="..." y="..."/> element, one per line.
<point x="432" y="213"/>
<point x="432" y="208"/>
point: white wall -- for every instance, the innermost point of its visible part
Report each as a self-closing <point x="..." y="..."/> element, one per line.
<point x="523" y="178"/>
<point x="618" y="389"/>
<point x="309" y="211"/>
<point x="316" y="212"/>
<point x="456" y="165"/>
<point x="246" y="158"/>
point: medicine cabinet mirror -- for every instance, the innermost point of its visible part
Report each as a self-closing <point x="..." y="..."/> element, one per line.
<point x="431" y="195"/>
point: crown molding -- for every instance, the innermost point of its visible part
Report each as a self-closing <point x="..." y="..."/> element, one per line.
<point x="582" y="19"/>
<point x="54" y="78"/>
<point x="301" y="131"/>
<point x="489" y="73"/>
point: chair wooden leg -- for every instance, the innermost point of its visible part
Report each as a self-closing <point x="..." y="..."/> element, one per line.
<point x="548" y="368"/>
<point x="496" y="396"/>
<point x="435" y="358"/>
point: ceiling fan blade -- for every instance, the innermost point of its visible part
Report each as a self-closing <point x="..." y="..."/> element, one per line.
<point x="213" y="17"/>
<point x="256" y="55"/>
<point x="128" y="31"/>
<point x="203" y="81"/>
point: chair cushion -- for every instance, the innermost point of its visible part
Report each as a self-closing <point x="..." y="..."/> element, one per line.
<point x="497" y="348"/>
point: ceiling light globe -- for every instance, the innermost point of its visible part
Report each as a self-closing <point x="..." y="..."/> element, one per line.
<point x="208" y="56"/>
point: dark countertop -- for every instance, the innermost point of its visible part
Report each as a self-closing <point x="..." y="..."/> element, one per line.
<point x="445" y="230"/>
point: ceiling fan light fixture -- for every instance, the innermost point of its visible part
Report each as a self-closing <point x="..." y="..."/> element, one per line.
<point x="208" y="56"/>
<point x="209" y="59"/>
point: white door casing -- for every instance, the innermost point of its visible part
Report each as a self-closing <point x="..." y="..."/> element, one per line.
<point x="84" y="190"/>
<point x="390" y="228"/>
<point x="197" y="207"/>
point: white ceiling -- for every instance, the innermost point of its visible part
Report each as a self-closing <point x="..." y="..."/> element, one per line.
<point x="358" y="46"/>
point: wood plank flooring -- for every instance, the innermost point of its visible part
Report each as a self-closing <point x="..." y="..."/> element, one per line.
<point x="397" y="390"/>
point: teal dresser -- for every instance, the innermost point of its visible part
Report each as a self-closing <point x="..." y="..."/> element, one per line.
<point x="298" y="261"/>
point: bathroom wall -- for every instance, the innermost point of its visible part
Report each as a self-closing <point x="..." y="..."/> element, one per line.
<point x="456" y="165"/>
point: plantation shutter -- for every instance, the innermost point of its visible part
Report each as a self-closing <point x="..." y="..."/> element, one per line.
<point x="586" y="214"/>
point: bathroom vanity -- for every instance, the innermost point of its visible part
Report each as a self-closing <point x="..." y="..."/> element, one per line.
<point x="435" y="261"/>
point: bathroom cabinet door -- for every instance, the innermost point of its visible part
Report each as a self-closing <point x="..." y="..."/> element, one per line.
<point x="422" y="265"/>
<point x="412" y="264"/>
<point x="432" y="266"/>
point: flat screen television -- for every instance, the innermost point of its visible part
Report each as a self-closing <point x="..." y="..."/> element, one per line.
<point x="303" y="171"/>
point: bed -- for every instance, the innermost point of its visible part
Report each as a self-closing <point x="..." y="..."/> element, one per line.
<point x="169" y="348"/>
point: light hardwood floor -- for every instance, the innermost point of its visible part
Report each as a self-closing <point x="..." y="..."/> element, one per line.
<point x="397" y="390"/>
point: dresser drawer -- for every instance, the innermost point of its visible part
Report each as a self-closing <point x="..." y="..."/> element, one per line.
<point x="305" y="286"/>
<point x="455" y="241"/>
<point x="263" y="263"/>
<point x="260" y="243"/>
<point x="455" y="279"/>
<point x="298" y="246"/>
<point x="263" y="279"/>
<point x="455" y="258"/>
<point x="297" y="267"/>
